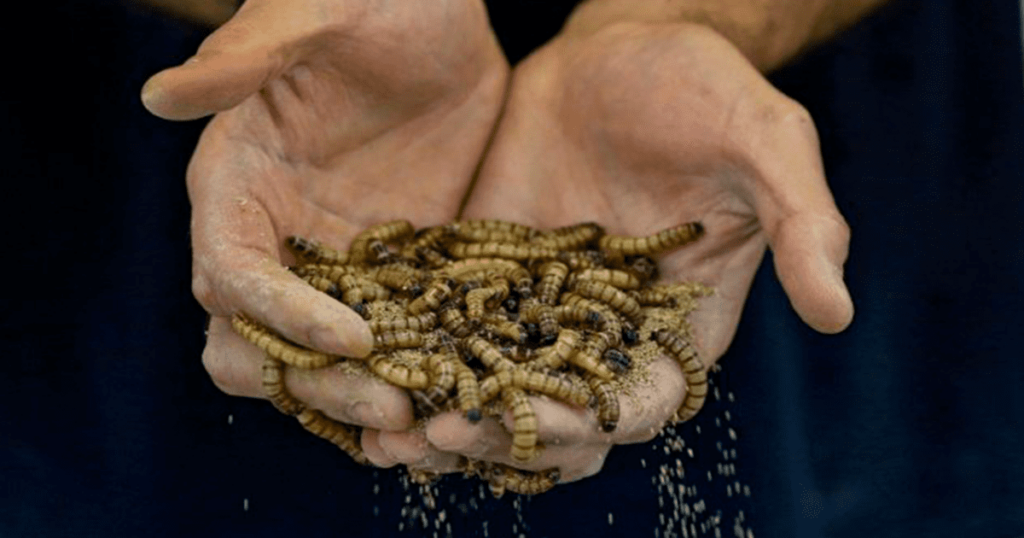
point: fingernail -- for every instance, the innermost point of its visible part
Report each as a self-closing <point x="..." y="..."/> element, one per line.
<point x="357" y="341"/>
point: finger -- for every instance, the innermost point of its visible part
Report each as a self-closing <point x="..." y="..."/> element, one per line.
<point x="488" y="440"/>
<point x="233" y="63"/>
<point x="235" y="365"/>
<point x="370" y="441"/>
<point x="808" y="236"/>
<point x="413" y="449"/>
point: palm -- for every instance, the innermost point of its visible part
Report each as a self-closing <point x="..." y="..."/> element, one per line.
<point x="632" y="134"/>
<point x="362" y="129"/>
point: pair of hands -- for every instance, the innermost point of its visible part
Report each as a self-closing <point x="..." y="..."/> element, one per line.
<point x="340" y="114"/>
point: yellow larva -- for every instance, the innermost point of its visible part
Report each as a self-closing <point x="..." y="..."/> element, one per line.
<point x="487" y="353"/>
<point x="658" y="243"/>
<point x="277" y="348"/>
<point x="387" y="232"/>
<point x="343" y="436"/>
<point x="492" y="249"/>
<point x="397" y="340"/>
<point x="693" y="371"/>
<point x="468" y="391"/>
<point x="312" y="252"/>
<point x="556" y="355"/>
<point x="571" y="237"/>
<point x="421" y="323"/>
<point x="526" y="483"/>
<point x="518" y="230"/>
<point x="623" y="280"/>
<point x="273" y="387"/>
<point x="552" y="275"/>
<point x="612" y="296"/>
<point x="557" y="387"/>
<point x="524" y="425"/>
<point x="607" y="403"/>
<point x="398" y="374"/>
<point x="431" y="300"/>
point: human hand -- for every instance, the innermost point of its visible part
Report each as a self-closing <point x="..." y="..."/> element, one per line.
<point x="331" y="117"/>
<point x="639" y="128"/>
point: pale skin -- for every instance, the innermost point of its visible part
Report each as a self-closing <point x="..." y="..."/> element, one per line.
<point x="634" y="117"/>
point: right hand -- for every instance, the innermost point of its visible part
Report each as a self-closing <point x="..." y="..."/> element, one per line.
<point x="332" y="115"/>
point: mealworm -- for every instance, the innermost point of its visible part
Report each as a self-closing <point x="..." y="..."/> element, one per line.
<point x="493" y="249"/>
<point x="322" y="284"/>
<point x="607" y="403"/>
<point x="614" y="277"/>
<point x="397" y="340"/>
<point x="571" y="237"/>
<point x="612" y="296"/>
<point x="378" y="253"/>
<point x="590" y="353"/>
<point x="657" y="296"/>
<point x="277" y="393"/>
<point x="467" y="391"/>
<point x="386" y="232"/>
<point x="544" y="315"/>
<point x="430" y="257"/>
<point x="421" y="323"/>
<point x="482" y="235"/>
<point x="399" y="277"/>
<point x="557" y="387"/>
<point x="344" y="437"/>
<point x="504" y="328"/>
<point x="579" y="260"/>
<point x="432" y="239"/>
<point x="310" y="251"/>
<point x="646" y="269"/>
<point x="437" y="292"/>
<point x="577" y="314"/>
<point x="651" y="245"/>
<point x="525" y="483"/>
<point x="630" y="334"/>
<point x="619" y="361"/>
<point x="555" y="355"/>
<point x="693" y="371"/>
<point x="524" y="427"/>
<point x="486" y="353"/>
<point x="453" y="321"/>
<point x="442" y="375"/>
<point x="330" y="272"/>
<point x="519" y="230"/>
<point x="552" y="276"/>
<point x="279" y="349"/>
<point x="398" y="374"/>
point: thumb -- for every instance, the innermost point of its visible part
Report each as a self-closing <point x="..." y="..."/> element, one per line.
<point x="808" y="236"/>
<point x="233" y="63"/>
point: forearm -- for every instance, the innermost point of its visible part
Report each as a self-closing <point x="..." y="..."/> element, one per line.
<point x="768" y="32"/>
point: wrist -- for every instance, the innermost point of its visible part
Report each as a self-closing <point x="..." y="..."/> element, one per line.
<point x="767" y="32"/>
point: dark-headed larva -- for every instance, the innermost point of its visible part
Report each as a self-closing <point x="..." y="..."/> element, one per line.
<point x="524" y="425"/>
<point x="312" y="252"/>
<point x="616" y="277"/>
<point x="487" y="353"/>
<point x="557" y="354"/>
<point x="557" y="387"/>
<point x="468" y="391"/>
<point x="651" y="245"/>
<point x="344" y="437"/>
<point x="552" y="275"/>
<point x="273" y="387"/>
<point x="387" y="232"/>
<point x="437" y="292"/>
<point x="519" y="230"/>
<point x="525" y="483"/>
<point x="612" y="296"/>
<point x="607" y="403"/>
<point x="420" y="323"/>
<point x="511" y="251"/>
<point x="398" y="374"/>
<point x="589" y="356"/>
<point x="397" y="340"/>
<point x="277" y="348"/>
<point x="693" y="371"/>
<point x="571" y="237"/>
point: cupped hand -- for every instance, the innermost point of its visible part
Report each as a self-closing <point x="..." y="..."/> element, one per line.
<point x="331" y="116"/>
<point x="640" y="128"/>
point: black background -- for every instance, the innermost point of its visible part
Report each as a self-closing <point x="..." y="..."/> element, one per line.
<point x="907" y="424"/>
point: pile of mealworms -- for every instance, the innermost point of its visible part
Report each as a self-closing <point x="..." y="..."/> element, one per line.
<point x="477" y="315"/>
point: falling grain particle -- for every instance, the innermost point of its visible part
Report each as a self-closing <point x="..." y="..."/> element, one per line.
<point x="746" y="491"/>
<point x="245" y="505"/>
<point x="732" y="434"/>
<point x="731" y="396"/>
<point x="643" y="463"/>
<point x="728" y="416"/>
<point x="231" y="419"/>
<point x="611" y="519"/>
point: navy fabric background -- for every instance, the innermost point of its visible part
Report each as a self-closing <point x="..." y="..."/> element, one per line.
<point x="908" y="424"/>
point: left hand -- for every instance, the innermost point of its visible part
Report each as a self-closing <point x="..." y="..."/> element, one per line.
<point x="642" y="127"/>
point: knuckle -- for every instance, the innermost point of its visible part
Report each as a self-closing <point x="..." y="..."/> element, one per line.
<point x="220" y="371"/>
<point x="203" y="291"/>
